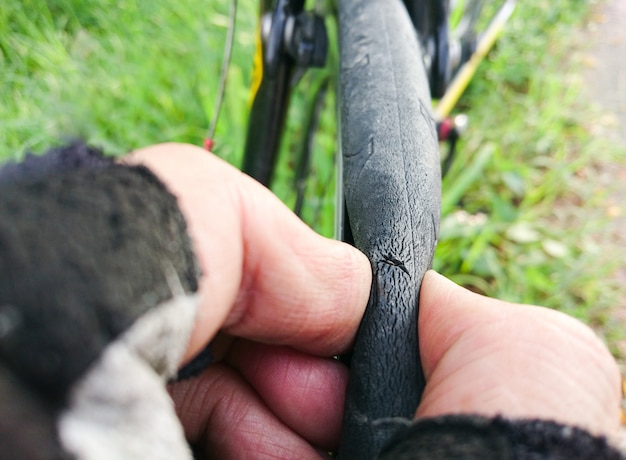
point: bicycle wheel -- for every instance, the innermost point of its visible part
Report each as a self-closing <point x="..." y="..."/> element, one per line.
<point x="392" y="194"/>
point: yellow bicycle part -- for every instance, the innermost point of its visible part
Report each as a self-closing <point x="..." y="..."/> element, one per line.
<point x="257" y="69"/>
<point x="467" y="71"/>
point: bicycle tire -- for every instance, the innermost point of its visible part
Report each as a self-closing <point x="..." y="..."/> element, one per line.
<point x="392" y="187"/>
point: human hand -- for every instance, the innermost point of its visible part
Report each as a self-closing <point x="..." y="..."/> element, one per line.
<point x="285" y="300"/>
<point x="491" y="357"/>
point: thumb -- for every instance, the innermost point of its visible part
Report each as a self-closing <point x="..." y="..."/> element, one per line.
<point x="447" y="312"/>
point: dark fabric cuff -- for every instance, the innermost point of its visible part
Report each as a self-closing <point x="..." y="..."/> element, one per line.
<point x="87" y="246"/>
<point x="477" y="437"/>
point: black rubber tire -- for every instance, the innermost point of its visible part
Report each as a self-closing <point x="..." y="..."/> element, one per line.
<point x="392" y="185"/>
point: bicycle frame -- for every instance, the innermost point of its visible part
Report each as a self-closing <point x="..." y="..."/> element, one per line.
<point x="288" y="39"/>
<point x="269" y="107"/>
<point x="276" y="69"/>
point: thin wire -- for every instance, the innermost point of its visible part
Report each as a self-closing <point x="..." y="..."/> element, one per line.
<point x="228" y="48"/>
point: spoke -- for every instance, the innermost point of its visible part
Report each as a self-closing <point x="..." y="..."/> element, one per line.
<point x="307" y="151"/>
<point x="228" y="48"/>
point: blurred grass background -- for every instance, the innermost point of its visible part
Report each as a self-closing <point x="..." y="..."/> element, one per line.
<point x="520" y="214"/>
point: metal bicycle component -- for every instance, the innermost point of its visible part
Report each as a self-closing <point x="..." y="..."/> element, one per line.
<point x="440" y="70"/>
<point x="306" y="39"/>
<point x="301" y="35"/>
<point x="430" y="19"/>
<point x="273" y="32"/>
<point x="291" y="40"/>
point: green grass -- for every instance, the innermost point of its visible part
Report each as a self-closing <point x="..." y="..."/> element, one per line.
<point x="124" y="74"/>
<point x="526" y="146"/>
<point x="522" y="216"/>
<point x="121" y="74"/>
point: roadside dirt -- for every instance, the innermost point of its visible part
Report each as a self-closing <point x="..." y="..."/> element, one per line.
<point x="606" y="65"/>
<point x="604" y="90"/>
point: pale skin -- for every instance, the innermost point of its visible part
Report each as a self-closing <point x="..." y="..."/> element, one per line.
<point x="278" y="301"/>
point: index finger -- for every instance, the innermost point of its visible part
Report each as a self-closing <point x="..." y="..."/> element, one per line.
<point x="266" y="275"/>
